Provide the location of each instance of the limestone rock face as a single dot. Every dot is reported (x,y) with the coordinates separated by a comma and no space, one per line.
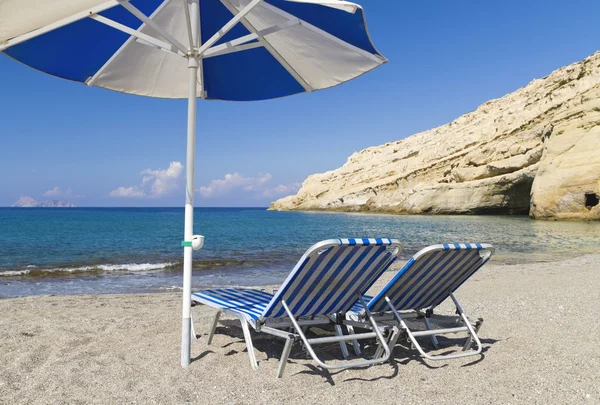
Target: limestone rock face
(534,151)
(567,184)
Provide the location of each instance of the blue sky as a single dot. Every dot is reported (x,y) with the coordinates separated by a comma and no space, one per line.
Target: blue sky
(63,140)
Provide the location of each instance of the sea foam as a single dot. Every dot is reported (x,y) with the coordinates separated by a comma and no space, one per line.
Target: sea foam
(127,267)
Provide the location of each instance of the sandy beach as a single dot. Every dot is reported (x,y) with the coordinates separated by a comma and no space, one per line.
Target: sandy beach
(541,345)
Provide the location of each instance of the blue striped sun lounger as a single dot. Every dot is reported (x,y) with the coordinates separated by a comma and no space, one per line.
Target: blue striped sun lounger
(425,281)
(322,287)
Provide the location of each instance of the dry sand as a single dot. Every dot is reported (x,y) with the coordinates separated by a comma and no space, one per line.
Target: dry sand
(541,345)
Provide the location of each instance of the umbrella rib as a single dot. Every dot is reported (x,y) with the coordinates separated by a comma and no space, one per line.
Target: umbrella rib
(188,22)
(338,4)
(57,24)
(169,48)
(238,16)
(233,49)
(233,45)
(144,18)
(307,87)
(200,73)
(136,33)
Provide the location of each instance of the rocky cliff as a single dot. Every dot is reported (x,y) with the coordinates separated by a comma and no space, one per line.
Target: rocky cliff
(534,151)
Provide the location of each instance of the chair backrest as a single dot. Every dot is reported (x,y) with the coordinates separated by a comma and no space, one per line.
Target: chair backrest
(431,275)
(328,277)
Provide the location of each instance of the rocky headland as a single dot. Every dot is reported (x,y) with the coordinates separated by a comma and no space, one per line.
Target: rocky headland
(535,151)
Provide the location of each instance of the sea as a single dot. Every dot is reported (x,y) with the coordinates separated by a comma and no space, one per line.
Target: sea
(138,250)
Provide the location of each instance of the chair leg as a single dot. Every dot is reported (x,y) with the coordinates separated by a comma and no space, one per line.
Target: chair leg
(394,336)
(433,337)
(213,327)
(340,332)
(355,343)
(249,344)
(469,341)
(361,363)
(192,329)
(284,356)
(472,331)
(416,344)
(378,351)
(468,344)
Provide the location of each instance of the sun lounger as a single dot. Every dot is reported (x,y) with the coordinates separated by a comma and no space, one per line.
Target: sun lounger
(425,281)
(325,283)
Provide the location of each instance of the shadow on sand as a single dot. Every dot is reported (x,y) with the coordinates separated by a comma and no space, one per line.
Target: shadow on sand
(402,353)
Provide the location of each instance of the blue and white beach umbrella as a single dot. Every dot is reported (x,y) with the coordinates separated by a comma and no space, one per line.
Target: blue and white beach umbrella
(238,50)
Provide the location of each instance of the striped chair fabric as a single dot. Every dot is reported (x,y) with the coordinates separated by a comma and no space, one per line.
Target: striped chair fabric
(430,276)
(325,281)
(251,303)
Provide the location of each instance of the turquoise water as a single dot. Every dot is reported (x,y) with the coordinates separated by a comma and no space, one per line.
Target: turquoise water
(124,250)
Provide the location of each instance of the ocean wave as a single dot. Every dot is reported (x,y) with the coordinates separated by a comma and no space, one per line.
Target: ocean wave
(34,271)
(71,269)
(13,273)
(134,266)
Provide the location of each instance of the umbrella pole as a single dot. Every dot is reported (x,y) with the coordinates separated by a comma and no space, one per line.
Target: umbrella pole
(189,215)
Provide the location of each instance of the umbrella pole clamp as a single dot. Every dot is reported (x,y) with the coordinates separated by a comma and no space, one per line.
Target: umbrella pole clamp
(196,243)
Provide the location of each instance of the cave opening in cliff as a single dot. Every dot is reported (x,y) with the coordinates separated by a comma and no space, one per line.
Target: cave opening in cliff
(591,200)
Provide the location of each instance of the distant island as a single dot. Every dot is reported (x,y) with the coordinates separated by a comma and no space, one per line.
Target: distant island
(29,202)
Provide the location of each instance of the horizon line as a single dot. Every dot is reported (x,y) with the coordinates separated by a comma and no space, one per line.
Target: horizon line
(112,206)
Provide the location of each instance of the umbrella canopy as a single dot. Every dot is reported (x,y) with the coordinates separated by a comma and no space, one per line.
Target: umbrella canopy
(278,48)
(238,50)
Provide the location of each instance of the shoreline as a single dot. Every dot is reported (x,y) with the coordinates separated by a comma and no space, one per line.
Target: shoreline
(106,261)
(57,274)
(538,348)
(384,212)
